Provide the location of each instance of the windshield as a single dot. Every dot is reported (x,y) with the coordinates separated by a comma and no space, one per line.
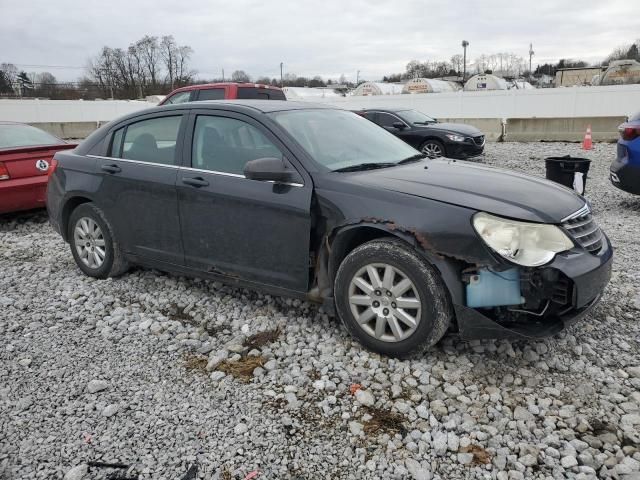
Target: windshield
(415,117)
(12,136)
(337,139)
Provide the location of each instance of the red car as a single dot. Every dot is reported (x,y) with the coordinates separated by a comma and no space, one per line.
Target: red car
(26,161)
(224,91)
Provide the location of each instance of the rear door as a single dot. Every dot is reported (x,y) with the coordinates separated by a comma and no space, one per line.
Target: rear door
(233,226)
(138,186)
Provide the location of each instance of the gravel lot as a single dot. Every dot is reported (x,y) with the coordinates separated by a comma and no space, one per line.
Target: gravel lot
(155,372)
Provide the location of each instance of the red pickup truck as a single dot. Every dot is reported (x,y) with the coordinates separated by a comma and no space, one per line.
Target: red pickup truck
(224,91)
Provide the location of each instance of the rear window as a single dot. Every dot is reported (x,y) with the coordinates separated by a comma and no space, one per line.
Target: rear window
(252,93)
(12,136)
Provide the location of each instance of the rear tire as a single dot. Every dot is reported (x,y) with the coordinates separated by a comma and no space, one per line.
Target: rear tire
(93,245)
(390,299)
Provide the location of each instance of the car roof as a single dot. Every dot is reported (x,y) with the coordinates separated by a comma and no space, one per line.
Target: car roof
(264,106)
(241,106)
(386,109)
(202,86)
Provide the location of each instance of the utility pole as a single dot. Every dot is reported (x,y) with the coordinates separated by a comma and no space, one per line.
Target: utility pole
(465,44)
(531,53)
(281,76)
(357,77)
(223,74)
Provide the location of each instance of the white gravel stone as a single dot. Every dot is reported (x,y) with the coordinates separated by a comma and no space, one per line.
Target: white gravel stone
(95,386)
(240,428)
(77,473)
(110,410)
(365,397)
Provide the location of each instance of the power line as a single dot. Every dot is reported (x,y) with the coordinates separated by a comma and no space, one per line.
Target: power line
(47,66)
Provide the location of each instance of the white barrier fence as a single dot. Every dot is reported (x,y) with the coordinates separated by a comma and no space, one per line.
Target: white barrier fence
(623,100)
(49,111)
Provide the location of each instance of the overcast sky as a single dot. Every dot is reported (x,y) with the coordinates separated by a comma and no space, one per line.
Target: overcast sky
(327,38)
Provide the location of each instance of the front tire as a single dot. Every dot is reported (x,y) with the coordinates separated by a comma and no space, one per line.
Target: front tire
(433,149)
(390,299)
(93,246)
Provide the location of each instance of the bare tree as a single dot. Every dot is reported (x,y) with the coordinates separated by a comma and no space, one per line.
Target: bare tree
(168,51)
(150,55)
(240,76)
(456,62)
(184,74)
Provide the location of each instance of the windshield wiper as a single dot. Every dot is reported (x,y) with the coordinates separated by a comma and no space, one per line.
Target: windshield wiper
(365,166)
(423,123)
(412,158)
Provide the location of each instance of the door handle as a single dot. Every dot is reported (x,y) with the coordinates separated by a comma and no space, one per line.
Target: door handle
(111,168)
(195,182)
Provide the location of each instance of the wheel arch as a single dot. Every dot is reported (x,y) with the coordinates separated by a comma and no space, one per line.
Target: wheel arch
(348,238)
(69,206)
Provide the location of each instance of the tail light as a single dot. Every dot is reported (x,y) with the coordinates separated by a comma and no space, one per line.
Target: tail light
(4,173)
(629,133)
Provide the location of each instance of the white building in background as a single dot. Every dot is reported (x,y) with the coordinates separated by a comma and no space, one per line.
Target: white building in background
(621,72)
(429,85)
(377,88)
(521,84)
(306,93)
(485,81)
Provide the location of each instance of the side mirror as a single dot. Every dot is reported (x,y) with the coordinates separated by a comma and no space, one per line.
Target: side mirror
(399,125)
(268,170)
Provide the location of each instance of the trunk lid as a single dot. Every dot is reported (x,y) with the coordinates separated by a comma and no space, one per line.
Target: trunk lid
(23,162)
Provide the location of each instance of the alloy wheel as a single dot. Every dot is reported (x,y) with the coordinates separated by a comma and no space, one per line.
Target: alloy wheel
(432,149)
(384,302)
(89,242)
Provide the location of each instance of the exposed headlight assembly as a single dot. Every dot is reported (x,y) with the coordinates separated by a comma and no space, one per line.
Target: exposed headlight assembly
(455,138)
(527,244)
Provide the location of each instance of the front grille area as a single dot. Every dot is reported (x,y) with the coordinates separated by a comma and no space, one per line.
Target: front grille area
(586,232)
(479,140)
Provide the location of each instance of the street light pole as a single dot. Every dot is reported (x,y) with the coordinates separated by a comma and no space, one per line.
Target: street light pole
(465,44)
(357,77)
(281,77)
(531,53)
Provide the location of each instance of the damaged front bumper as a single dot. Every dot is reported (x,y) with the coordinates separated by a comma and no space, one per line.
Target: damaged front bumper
(582,275)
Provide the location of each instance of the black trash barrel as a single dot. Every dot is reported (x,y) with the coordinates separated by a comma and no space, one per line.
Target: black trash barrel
(568,171)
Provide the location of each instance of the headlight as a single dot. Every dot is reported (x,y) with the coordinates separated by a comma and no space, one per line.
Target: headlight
(455,138)
(527,244)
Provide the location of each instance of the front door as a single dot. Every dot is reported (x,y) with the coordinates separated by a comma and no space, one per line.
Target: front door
(257,231)
(138,187)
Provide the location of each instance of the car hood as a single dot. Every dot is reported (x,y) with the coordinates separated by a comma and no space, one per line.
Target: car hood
(493,190)
(461,128)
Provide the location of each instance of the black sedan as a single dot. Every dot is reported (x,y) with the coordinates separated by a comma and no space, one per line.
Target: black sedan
(435,139)
(320,204)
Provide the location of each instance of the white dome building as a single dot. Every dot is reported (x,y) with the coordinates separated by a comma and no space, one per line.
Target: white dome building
(428,85)
(377,88)
(485,81)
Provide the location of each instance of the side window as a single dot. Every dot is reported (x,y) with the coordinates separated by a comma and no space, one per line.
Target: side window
(211,94)
(386,120)
(224,144)
(181,97)
(116,143)
(152,140)
(252,93)
(370,116)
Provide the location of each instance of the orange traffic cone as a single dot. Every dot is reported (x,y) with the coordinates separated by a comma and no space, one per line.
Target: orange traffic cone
(587,143)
